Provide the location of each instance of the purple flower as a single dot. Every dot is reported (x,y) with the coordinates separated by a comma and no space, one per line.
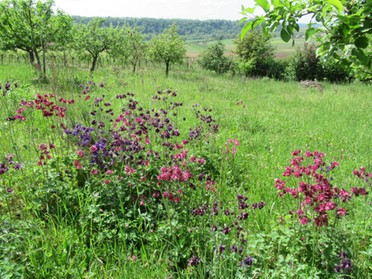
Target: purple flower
(248,261)
(194,260)
(221,248)
(226,230)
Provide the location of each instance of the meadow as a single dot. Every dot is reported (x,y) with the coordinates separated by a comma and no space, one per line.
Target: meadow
(197,175)
(282,49)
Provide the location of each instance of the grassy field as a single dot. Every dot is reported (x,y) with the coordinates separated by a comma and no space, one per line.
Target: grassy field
(67,213)
(282,49)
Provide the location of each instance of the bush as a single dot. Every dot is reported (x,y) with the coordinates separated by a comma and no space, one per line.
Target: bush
(334,71)
(214,59)
(306,65)
(255,54)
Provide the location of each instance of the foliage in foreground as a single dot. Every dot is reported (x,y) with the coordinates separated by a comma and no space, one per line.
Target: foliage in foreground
(342,27)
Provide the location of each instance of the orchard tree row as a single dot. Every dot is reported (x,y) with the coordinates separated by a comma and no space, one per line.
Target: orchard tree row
(35,27)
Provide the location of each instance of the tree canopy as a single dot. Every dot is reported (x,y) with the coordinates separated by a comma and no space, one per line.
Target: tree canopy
(343,27)
(32,26)
(167,47)
(94,39)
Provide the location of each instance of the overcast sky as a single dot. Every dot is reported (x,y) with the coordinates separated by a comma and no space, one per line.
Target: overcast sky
(187,9)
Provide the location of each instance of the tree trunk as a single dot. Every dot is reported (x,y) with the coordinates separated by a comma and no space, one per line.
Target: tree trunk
(167,68)
(64,58)
(134,64)
(44,64)
(32,57)
(94,63)
(38,63)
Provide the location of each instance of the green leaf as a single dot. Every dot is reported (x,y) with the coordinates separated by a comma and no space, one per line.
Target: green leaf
(264,4)
(360,55)
(361,42)
(277,3)
(337,4)
(285,35)
(310,32)
(247,10)
(245,29)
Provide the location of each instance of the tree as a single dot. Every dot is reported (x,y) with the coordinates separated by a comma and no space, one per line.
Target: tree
(32,26)
(130,45)
(213,58)
(343,27)
(167,47)
(94,39)
(255,54)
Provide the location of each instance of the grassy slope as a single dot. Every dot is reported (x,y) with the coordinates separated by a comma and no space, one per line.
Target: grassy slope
(270,119)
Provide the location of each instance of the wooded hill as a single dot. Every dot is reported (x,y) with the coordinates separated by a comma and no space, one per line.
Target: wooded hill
(191,30)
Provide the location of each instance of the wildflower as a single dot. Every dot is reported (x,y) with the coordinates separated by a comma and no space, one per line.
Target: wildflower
(341,212)
(221,248)
(80,153)
(304,220)
(194,260)
(214,228)
(93,149)
(248,261)
(226,230)
(233,248)
(77,165)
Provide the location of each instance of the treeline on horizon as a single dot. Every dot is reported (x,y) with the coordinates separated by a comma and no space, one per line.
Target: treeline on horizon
(191,30)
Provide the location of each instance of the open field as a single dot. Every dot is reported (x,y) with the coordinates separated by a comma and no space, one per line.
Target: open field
(93,199)
(282,49)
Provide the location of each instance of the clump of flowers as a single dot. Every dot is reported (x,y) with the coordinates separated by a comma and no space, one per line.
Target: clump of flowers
(317,196)
(345,264)
(9,163)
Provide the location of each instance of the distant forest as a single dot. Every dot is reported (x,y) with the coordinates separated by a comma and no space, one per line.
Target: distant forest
(191,30)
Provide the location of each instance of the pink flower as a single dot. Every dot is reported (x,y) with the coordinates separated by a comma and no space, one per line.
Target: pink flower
(43,146)
(201,161)
(234,141)
(93,148)
(94,172)
(279,184)
(341,212)
(109,172)
(129,170)
(308,154)
(77,164)
(304,220)
(193,159)
(80,153)
(296,152)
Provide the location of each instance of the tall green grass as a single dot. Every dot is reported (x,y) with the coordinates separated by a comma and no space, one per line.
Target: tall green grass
(269,118)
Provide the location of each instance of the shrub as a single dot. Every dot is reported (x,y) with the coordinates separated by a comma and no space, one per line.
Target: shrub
(213,59)
(304,65)
(334,71)
(255,54)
